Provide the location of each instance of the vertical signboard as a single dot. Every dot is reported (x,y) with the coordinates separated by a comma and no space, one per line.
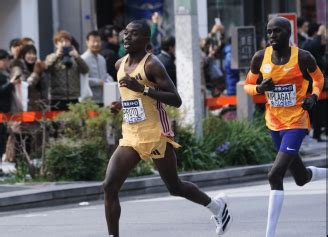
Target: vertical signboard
(293,23)
(243,42)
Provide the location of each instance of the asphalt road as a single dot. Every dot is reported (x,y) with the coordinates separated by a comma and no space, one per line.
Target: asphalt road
(159,215)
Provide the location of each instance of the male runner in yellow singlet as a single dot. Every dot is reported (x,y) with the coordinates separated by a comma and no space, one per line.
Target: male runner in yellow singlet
(285,73)
(144,87)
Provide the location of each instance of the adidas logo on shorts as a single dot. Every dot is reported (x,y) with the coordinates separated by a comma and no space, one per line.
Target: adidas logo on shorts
(155,152)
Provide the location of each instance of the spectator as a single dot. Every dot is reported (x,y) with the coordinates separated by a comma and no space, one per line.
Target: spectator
(316,45)
(167,57)
(97,67)
(26,41)
(217,33)
(212,72)
(16,44)
(204,89)
(155,33)
(302,31)
(29,134)
(75,44)
(33,71)
(14,47)
(6,90)
(64,67)
(6,85)
(110,49)
(231,75)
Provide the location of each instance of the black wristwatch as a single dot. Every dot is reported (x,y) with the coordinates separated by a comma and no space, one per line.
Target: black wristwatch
(146,90)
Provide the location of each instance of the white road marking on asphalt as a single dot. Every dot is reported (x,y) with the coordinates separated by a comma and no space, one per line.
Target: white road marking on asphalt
(32,215)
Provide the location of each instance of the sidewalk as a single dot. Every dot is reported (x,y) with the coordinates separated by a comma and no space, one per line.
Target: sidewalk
(19,196)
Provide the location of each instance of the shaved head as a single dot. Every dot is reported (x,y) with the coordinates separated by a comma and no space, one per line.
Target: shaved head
(281,22)
(279,32)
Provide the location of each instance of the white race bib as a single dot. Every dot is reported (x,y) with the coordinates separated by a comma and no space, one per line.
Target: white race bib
(282,95)
(133,111)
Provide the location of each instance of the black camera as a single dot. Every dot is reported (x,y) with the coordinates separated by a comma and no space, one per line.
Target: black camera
(66,58)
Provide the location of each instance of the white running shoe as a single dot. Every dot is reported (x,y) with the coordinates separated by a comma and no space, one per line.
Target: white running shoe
(224,219)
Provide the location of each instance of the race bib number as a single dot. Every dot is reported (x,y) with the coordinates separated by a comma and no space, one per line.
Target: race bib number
(282,95)
(133,111)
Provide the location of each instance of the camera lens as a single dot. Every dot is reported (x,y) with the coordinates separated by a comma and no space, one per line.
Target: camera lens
(66,59)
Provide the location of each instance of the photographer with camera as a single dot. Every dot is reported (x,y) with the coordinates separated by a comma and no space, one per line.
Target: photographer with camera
(64,67)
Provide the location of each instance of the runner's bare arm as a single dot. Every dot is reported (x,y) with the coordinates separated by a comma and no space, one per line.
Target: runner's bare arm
(254,73)
(257,61)
(308,64)
(157,74)
(116,106)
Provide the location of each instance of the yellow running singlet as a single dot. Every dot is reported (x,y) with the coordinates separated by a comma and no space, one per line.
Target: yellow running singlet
(146,127)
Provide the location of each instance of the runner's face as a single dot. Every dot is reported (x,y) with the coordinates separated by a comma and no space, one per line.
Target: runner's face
(278,36)
(133,38)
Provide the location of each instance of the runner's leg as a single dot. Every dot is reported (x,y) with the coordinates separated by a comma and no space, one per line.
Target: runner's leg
(300,174)
(276,176)
(167,168)
(288,142)
(121,163)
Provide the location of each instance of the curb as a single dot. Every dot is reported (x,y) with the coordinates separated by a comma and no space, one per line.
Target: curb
(51,195)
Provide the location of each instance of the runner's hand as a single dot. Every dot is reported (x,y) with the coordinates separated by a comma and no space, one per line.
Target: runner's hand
(309,102)
(131,83)
(115,107)
(266,85)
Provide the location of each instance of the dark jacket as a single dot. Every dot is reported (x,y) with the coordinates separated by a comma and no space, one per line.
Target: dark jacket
(6,89)
(168,62)
(213,73)
(301,39)
(110,53)
(65,81)
(315,47)
(37,89)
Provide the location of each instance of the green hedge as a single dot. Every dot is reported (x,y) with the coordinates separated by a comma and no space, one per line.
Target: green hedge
(238,142)
(68,159)
(224,143)
(194,154)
